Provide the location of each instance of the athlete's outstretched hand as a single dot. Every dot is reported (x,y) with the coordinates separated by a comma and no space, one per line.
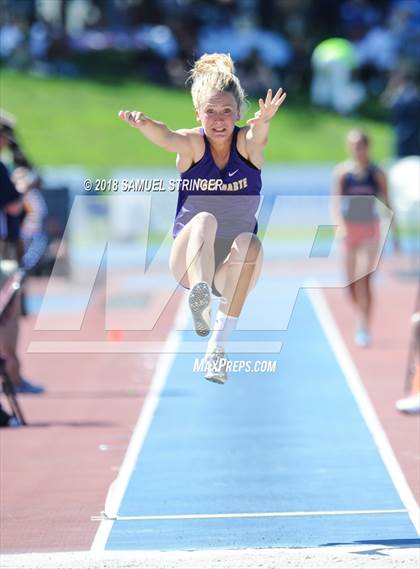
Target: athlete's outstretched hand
(133,118)
(268,108)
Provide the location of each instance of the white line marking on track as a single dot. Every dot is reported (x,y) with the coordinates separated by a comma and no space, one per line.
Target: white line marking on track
(253,515)
(53,347)
(118,487)
(362,399)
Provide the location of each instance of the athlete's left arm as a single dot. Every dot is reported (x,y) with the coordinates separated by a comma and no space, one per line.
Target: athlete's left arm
(257,134)
(382,182)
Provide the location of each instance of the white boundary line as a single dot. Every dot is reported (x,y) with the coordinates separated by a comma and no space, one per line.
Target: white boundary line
(256,515)
(126,347)
(362,399)
(118,487)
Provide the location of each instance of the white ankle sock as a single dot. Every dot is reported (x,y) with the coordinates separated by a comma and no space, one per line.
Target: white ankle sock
(223,328)
(362,324)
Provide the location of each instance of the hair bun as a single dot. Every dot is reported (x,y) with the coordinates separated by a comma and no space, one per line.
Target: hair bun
(213,63)
(215,72)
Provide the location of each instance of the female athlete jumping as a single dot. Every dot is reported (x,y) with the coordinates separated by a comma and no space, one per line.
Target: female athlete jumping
(215,246)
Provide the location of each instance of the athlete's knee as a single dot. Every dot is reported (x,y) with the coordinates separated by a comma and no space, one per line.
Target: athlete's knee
(205,222)
(351,288)
(247,248)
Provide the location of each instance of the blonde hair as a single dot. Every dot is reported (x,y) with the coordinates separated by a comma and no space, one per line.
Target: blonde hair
(216,71)
(358,133)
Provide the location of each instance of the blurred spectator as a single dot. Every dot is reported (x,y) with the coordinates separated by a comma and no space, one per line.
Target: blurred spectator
(377,48)
(377,56)
(27,181)
(14,44)
(40,40)
(9,204)
(405,26)
(357,17)
(411,403)
(287,17)
(255,75)
(272,48)
(12,250)
(160,37)
(11,37)
(402,96)
(10,151)
(324,20)
(32,226)
(333,62)
(186,32)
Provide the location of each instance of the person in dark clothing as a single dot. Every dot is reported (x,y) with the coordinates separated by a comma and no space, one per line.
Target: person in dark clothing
(403,99)
(12,248)
(11,258)
(10,203)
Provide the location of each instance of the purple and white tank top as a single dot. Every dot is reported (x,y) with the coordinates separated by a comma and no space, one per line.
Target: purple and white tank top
(232,194)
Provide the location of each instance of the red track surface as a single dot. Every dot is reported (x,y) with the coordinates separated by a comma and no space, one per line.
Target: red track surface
(382,367)
(54,475)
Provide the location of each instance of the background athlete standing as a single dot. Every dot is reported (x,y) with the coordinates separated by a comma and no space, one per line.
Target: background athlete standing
(358,181)
(215,245)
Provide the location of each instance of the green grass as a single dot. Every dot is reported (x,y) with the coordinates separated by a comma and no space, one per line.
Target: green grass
(74,121)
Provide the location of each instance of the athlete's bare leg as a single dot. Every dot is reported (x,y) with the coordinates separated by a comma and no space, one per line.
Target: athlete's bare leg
(366,265)
(192,254)
(360,263)
(239,272)
(350,260)
(364,299)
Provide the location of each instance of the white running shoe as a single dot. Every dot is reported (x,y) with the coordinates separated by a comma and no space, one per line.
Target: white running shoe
(362,338)
(215,365)
(409,404)
(199,301)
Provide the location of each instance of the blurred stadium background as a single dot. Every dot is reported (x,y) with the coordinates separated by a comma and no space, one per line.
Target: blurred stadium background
(68,66)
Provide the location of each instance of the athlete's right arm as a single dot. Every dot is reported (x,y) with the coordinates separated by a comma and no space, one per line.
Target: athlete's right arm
(158,133)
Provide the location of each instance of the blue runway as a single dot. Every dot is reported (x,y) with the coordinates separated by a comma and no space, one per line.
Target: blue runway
(290,447)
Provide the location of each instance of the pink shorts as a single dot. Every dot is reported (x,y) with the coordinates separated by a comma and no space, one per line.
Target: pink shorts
(359,234)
